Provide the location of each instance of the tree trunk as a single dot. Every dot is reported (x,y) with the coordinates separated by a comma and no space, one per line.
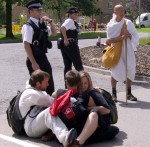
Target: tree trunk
(9,19)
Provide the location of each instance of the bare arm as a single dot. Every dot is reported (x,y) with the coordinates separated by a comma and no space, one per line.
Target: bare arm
(54,94)
(28,50)
(119,38)
(51,23)
(102,109)
(53,28)
(63,31)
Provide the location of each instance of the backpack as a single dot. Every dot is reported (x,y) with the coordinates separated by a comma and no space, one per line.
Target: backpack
(112,104)
(14,118)
(103,97)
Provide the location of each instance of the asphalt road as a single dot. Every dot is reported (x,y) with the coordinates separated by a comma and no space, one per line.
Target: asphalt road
(133,119)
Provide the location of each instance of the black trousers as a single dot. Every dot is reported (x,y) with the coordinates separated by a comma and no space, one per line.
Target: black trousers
(103,134)
(45,65)
(71,55)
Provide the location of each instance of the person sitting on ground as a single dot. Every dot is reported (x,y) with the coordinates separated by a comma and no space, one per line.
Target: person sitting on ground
(39,120)
(94,99)
(88,120)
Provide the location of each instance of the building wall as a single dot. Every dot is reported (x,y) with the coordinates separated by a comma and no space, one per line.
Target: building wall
(107,12)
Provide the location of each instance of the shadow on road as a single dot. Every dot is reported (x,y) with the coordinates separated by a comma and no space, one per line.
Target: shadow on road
(139,104)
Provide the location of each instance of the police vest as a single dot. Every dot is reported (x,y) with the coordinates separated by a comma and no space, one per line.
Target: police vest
(40,42)
(73,33)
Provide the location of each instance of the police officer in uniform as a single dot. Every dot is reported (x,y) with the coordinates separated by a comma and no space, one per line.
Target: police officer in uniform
(70,50)
(35,39)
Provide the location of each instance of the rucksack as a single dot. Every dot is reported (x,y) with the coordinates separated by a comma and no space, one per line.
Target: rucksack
(112,104)
(14,118)
(103,97)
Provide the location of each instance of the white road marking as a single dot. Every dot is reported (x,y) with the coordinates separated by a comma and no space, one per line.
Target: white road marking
(17,141)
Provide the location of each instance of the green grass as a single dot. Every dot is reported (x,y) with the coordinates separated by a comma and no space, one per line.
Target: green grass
(18,37)
(86,35)
(145,41)
(143,30)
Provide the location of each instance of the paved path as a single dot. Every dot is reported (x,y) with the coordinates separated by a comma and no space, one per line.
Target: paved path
(134,118)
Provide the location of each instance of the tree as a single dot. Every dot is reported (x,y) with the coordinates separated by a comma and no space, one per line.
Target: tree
(9,19)
(134,7)
(3,13)
(60,6)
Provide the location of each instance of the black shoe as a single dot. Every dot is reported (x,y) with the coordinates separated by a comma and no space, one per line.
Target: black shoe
(70,137)
(131,97)
(114,97)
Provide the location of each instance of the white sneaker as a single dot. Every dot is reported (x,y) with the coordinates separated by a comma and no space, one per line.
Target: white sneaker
(70,137)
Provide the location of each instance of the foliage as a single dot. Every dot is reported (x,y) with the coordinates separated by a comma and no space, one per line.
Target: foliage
(60,7)
(2,12)
(87,7)
(134,7)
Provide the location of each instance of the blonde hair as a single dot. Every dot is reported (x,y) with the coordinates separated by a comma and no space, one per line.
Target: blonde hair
(87,75)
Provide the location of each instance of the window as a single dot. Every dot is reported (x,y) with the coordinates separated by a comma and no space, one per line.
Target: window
(110,5)
(145,18)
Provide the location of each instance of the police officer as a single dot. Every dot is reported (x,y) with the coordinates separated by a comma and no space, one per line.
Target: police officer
(70,50)
(35,39)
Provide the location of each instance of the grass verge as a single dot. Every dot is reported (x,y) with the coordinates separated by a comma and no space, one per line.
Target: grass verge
(145,41)
(146,30)
(18,37)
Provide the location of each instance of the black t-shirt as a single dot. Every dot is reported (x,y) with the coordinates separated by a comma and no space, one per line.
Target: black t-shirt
(97,97)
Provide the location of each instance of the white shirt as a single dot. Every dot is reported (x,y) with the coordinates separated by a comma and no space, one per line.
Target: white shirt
(27,31)
(69,24)
(31,97)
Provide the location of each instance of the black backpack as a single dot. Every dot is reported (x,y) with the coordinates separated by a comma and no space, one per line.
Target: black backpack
(106,99)
(112,104)
(14,118)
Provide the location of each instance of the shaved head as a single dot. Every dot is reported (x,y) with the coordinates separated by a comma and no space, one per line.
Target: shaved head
(118,7)
(119,11)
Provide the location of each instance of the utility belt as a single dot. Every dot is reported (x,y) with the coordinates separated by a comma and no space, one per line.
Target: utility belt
(72,40)
(60,42)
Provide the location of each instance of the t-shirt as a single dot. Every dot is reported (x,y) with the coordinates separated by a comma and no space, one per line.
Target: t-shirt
(69,24)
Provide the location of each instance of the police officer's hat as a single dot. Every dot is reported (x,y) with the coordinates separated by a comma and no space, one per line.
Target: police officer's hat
(72,10)
(34,4)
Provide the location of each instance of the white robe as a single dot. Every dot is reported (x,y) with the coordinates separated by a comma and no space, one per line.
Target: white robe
(119,71)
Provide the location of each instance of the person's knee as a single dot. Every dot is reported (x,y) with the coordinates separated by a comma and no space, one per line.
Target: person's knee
(94,114)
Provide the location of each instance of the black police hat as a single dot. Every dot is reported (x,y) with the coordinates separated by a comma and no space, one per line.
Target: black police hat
(72,10)
(34,4)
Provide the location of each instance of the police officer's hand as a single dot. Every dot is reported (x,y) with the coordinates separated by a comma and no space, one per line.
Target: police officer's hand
(46,19)
(35,66)
(66,42)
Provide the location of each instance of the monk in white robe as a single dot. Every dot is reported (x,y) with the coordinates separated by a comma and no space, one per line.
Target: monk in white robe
(118,73)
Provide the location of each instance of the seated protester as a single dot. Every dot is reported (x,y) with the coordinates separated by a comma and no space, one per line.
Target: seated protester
(86,88)
(87,120)
(39,120)
(95,100)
